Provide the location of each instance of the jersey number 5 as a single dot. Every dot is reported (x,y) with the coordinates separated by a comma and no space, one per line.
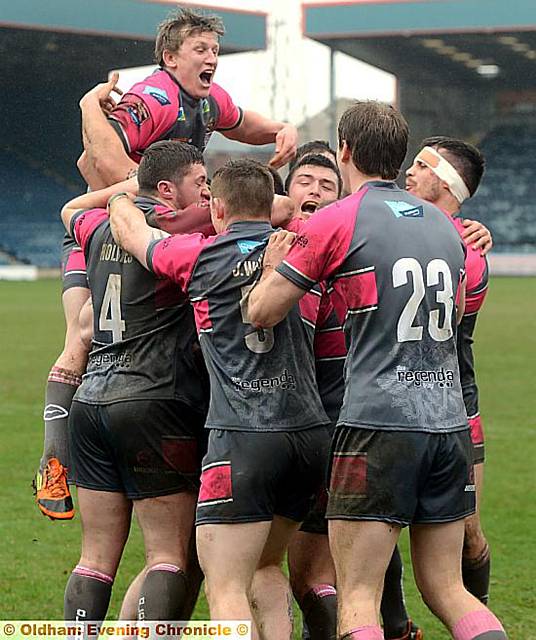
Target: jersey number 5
(259,340)
(110,314)
(445,296)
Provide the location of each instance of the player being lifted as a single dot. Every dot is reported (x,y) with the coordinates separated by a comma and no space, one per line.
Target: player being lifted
(180,101)
(446,172)
(401,454)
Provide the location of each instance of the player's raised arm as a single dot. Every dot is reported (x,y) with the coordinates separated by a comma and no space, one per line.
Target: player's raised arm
(129,227)
(104,158)
(96,199)
(257,129)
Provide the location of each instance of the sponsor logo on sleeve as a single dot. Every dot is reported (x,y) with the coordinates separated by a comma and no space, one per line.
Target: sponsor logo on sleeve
(405,209)
(158,94)
(138,113)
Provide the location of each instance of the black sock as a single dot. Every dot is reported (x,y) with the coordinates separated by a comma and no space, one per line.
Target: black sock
(319,608)
(475,573)
(87,595)
(492,635)
(61,387)
(163,593)
(393,607)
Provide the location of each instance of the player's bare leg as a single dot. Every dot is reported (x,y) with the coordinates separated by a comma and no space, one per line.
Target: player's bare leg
(129,606)
(52,494)
(271,597)
(476,553)
(436,551)
(229,555)
(361,552)
(166,523)
(105,519)
(312,577)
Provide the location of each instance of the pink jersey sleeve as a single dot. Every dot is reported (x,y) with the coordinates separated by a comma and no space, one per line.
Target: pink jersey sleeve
(147,111)
(322,243)
(84,223)
(477,275)
(175,257)
(230,116)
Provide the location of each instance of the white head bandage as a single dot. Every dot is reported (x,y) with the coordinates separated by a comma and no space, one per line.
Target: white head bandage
(444,171)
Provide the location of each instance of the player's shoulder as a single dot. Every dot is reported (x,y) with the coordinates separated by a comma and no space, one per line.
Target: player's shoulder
(157,88)
(219,93)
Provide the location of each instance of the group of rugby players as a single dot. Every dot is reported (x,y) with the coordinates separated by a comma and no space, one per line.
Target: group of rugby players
(190,318)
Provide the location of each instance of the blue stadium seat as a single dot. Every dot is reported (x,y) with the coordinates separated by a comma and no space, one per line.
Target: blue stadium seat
(30,227)
(504,202)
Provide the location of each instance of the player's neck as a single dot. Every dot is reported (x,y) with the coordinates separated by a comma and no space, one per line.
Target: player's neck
(449,205)
(358,179)
(245,218)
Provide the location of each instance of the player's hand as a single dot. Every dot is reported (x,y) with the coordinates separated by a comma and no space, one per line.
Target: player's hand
(477,236)
(282,211)
(102,92)
(278,246)
(286,143)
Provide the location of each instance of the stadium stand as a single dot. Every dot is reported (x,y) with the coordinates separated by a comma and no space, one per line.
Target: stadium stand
(30,228)
(504,201)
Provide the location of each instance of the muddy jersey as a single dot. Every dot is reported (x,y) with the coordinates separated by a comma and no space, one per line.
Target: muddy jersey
(144,333)
(477,271)
(397,262)
(260,380)
(158,108)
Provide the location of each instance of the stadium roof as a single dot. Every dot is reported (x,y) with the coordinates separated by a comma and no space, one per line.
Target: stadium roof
(102,34)
(466,40)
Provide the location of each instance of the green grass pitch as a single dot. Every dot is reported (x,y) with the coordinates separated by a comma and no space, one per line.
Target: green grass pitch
(36,555)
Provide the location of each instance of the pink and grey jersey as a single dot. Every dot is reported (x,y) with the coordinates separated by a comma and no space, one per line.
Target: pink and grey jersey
(477,271)
(397,263)
(144,343)
(259,380)
(330,355)
(158,108)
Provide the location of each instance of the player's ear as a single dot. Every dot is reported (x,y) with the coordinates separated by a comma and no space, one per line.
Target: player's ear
(169,58)
(166,189)
(345,154)
(217,207)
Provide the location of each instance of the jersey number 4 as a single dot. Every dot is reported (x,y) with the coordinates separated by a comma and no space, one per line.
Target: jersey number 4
(110,314)
(445,296)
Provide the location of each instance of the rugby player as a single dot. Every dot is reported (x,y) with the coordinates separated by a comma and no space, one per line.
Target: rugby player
(137,418)
(401,454)
(446,172)
(114,137)
(268,438)
(314,182)
(179,101)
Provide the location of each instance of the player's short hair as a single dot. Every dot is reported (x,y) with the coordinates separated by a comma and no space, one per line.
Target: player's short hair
(313,147)
(279,187)
(377,137)
(468,161)
(182,24)
(166,160)
(315,160)
(246,186)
